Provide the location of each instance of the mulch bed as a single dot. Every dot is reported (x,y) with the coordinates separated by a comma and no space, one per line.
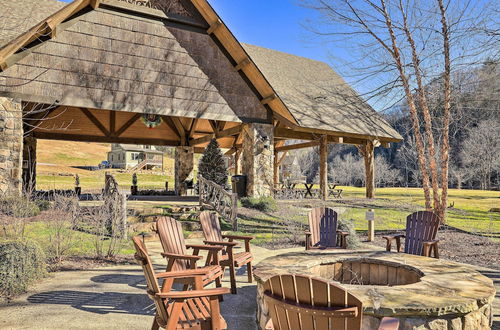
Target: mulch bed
(461,247)
(85,263)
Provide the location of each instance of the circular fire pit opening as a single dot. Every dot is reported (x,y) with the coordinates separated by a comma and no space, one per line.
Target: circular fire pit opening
(367,271)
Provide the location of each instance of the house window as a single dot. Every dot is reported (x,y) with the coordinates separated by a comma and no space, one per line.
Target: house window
(135,156)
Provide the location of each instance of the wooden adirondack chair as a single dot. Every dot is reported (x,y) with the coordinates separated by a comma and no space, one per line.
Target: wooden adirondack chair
(301,302)
(323,233)
(175,250)
(420,235)
(196,309)
(213,235)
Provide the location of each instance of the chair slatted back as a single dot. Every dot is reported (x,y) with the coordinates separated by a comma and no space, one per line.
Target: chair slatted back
(323,227)
(420,227)
(172,240)
(143,259)
(211,226)
(301,302)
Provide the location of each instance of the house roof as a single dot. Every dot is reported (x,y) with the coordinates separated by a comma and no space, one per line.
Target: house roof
(305,94)
(132,147)
(317,96)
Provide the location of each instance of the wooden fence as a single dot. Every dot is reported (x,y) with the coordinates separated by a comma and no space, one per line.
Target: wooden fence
(224,202)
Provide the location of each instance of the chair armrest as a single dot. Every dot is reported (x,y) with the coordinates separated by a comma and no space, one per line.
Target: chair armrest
(344,233)
(183,273)
(221,243)
(433,242)
(193,294)
(181,256)
(389,323)
(205,247)
(307,233)
(246,238)
(430,246)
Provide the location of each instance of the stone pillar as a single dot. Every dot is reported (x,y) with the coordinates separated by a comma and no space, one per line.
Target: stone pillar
(323,167)
(369,155)
(29,164)
(184,158)
(257,158)
(11,146)
(276,169)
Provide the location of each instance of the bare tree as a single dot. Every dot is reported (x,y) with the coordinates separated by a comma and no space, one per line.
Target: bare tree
(481,152)
(401,46)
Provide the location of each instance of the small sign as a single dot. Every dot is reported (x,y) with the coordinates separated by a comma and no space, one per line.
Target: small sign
(370,216)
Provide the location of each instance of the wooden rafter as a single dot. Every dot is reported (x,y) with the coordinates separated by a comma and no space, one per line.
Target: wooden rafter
(192,130)
(102,139)
(221,134)
(180,129)
(129,123)
(214,27)
(46,28)
(95,121)
(214,126)
(242,64)
(298,146)
(112,122)
(268,99)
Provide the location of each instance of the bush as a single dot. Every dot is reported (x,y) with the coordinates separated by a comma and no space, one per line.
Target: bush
(264,204)
(353,241)
(21,264)
(18,207)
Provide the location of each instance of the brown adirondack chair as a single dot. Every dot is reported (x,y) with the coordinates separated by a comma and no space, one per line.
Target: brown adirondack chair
(195,309)
(323,233)
(175,250)
(213,235)
(420,235)
(301,302)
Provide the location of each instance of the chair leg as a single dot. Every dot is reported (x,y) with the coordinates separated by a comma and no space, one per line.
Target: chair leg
(249,272)
(218,284)
(232,276)
(155,325)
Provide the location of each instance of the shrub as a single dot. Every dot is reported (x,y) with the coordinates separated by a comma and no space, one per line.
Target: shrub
(18,207)
(21,264)
(264,204)
(353,241)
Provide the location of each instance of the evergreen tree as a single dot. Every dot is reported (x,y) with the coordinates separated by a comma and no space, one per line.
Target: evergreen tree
(212,165)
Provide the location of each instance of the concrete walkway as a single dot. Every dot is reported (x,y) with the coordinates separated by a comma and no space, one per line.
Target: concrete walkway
(114,298)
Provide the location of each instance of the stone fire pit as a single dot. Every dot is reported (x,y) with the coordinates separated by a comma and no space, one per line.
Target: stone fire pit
(422,292)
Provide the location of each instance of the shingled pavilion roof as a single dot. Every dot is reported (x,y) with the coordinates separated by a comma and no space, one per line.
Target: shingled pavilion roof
(303,94)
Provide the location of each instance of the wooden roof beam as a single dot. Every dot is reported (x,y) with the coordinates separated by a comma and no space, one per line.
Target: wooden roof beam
(180,130)
(241,65)
(225,133)
(102,139)
(298,146)
(95,121)
(192,130)
(214,27)
(129,123)
(268,99)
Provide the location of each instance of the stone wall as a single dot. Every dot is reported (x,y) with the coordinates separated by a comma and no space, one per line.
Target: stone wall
(11,144)
(184,164)
(257,159)
(479,319)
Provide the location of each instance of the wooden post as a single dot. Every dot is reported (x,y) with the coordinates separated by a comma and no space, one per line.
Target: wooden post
(237,162)
(276,163)
(323,167)
(369,156)
(370,218)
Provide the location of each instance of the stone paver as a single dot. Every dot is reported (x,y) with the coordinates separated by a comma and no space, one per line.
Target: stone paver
(114,298)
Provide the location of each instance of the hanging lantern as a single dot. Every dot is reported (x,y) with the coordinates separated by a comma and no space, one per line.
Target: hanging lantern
(151,121)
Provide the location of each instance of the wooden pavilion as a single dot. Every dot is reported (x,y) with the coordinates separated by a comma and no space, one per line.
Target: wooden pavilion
(98,70)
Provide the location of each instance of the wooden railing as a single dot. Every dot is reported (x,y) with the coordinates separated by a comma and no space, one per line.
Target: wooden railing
(224,202)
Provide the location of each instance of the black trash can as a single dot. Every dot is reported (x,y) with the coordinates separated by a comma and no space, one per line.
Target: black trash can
(239,185)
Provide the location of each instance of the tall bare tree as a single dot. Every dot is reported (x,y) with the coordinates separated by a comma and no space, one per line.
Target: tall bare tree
(400,47)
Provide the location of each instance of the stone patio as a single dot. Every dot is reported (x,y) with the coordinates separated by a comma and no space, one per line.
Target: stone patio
(114,298)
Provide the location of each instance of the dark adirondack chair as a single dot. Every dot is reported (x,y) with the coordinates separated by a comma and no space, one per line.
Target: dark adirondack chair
(420,235)
(195,309)
(301,302)
(323,233)
(175,250)
(213,235)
